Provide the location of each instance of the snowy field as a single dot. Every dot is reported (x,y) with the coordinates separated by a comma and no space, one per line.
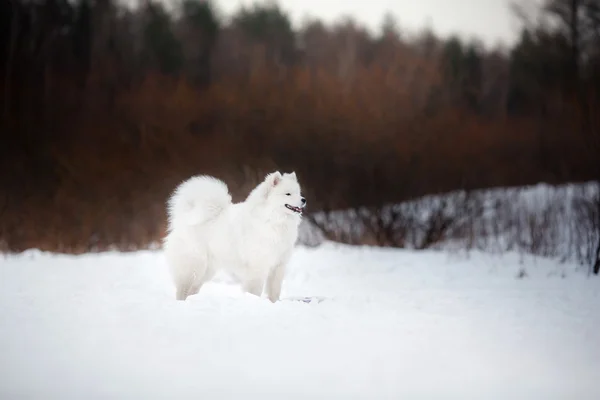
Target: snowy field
(396,324)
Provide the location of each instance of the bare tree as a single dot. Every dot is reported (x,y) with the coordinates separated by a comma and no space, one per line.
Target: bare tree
(14,30)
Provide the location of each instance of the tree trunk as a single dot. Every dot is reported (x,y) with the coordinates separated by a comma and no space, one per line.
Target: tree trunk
(596,267)
(597,263)
(14,20)
(575,51)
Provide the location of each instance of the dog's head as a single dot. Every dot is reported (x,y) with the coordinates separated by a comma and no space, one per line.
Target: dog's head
(284,194)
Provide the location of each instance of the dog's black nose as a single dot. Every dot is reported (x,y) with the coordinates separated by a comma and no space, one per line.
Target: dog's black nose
(303,200)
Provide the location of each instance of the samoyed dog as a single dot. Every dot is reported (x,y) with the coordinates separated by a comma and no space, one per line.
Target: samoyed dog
(251,241)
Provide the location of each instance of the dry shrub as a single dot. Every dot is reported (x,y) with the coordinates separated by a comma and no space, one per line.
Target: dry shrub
(560,222)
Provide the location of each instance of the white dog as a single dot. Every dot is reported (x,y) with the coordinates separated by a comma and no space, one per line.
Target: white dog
(252,240)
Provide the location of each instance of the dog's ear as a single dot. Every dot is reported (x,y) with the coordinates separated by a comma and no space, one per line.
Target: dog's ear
(290,175)
(273,179)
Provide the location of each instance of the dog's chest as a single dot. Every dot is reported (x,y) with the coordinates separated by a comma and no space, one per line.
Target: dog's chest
(269,246)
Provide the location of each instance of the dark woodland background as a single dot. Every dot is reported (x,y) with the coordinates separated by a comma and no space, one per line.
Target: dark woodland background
(104,109)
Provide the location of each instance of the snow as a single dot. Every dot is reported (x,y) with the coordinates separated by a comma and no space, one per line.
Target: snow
(395,324)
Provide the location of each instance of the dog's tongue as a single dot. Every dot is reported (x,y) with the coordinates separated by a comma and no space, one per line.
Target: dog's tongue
(293,208)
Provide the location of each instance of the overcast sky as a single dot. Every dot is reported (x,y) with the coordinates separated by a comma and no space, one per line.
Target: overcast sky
(491,20)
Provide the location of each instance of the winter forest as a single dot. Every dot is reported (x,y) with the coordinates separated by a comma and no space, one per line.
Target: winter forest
(105,107)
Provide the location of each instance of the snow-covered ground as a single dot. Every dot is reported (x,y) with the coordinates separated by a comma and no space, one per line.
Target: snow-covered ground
(396,324)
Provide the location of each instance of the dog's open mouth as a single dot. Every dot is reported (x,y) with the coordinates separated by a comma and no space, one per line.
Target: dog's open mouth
(294,209)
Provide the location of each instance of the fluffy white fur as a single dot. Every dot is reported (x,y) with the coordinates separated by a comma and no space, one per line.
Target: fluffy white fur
(252,240)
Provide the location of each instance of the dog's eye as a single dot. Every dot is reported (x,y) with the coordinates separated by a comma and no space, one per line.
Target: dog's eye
(288,194)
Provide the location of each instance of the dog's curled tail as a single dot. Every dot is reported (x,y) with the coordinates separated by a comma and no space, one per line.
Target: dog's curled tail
(196,201)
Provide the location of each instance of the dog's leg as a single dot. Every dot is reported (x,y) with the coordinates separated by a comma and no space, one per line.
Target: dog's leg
(183,284)
(184,291)
(254,286)
(189,277)
(195,288)
(181,293)
(199,281)
(275,281)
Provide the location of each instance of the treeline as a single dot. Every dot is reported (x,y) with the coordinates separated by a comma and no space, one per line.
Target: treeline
(105,108)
